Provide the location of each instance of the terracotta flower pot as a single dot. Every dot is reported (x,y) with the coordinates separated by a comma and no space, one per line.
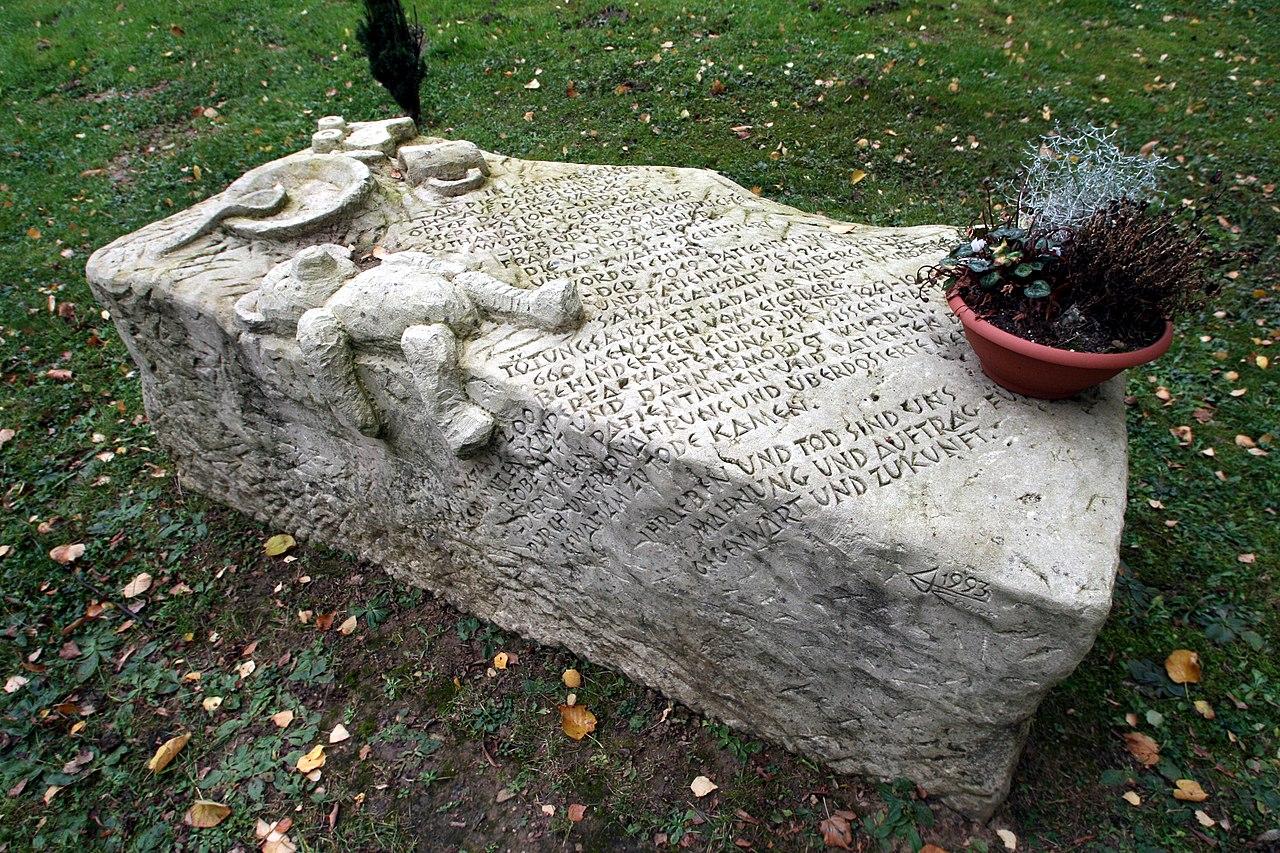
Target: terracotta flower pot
(1046,373)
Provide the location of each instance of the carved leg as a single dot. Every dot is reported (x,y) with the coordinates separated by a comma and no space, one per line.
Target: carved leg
(327,348)
(555,305)
(432,353)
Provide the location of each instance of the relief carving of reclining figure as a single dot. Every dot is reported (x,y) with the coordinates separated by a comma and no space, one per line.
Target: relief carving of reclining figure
(413,302)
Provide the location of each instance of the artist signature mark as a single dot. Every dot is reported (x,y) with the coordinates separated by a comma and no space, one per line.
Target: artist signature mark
(955,583)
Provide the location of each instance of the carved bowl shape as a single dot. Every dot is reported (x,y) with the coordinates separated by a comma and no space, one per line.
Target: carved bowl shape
(1046,373)
(318,189)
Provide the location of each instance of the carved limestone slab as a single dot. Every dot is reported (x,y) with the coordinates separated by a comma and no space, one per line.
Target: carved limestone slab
(720,444)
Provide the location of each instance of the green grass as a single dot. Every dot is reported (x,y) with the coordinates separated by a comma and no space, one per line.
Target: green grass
(116,115)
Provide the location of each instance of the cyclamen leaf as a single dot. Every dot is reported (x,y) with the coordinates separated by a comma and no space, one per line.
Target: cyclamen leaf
(1037,289)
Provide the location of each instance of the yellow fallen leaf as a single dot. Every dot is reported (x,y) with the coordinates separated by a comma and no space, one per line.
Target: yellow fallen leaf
(1183,666)
(856,176)
(1132,798)
(282,719)
(1262,361)
(167,752)
(701,786)
(278,544)
(205,814)
(1204,709)
(313,760)
(500,660)
(577,721)
(1189,790)
(1143,748)
(138,585)
(571,678)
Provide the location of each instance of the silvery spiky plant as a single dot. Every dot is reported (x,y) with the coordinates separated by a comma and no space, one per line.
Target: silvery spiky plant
(1074,173)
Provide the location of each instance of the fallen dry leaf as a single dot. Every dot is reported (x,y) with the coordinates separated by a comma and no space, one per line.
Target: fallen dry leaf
(313,760)
(1183,666)
(577,721)
(571,678)
(836,832)
(1009,840)
(278,544)
(1204,709)
(324,621)
(701,786)
(205,814)
(1189,791)
(348,626)
(1132,798)
(1143,748)
(65,554)
(282,719)
(137,586)
(15,683)
(500,660)
(167,752)
(211,703)
(577,811)
(1202,817)
(533,84)
(857,176)
(339,734)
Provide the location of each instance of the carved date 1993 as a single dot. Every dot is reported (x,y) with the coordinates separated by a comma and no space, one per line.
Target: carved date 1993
(954,583)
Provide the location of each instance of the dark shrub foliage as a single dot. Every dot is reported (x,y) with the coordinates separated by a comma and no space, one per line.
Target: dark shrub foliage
(395,49)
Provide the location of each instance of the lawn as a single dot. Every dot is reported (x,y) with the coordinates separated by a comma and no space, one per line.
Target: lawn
(117,114)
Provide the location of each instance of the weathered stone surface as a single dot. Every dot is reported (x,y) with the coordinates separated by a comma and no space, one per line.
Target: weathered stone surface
(750,466)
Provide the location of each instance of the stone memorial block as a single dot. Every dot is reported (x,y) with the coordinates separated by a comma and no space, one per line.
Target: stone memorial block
(723,445)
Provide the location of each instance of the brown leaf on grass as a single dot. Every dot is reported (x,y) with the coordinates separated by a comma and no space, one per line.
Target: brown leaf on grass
(66,554)
(718,87)
(205,814)
(1143,748)
(576,721)
(324,621)
(137,586)
(836,832)
(701,786)
(932,848)
(313,760)
(577,811)
(6,436)
(1183,666)
(58,374)
(167,752)
(571,91)
(1189,791)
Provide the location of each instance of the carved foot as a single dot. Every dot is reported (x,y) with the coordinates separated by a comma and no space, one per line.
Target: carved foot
(469,431)
(558,305)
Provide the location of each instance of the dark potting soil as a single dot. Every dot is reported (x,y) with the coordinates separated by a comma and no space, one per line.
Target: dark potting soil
(1072,330)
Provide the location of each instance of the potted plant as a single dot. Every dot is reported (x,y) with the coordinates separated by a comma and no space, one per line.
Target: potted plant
(1080,275)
